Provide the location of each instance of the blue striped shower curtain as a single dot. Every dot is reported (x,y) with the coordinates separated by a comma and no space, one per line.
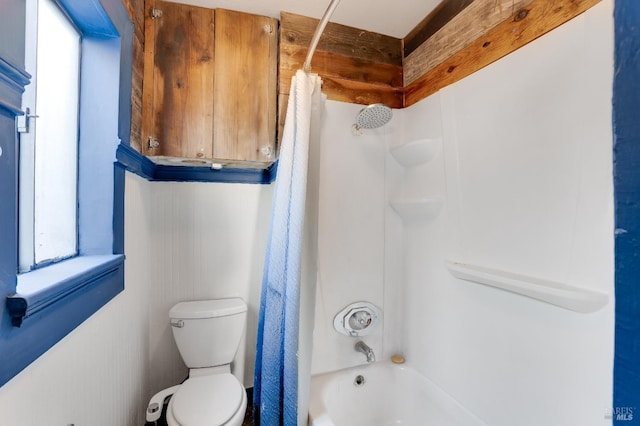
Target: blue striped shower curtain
(275,396)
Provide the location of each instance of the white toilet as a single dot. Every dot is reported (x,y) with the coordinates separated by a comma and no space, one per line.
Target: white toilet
(207,333)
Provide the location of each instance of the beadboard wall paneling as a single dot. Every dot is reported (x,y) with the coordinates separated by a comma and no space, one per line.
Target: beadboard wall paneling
(207,240)
(184,241)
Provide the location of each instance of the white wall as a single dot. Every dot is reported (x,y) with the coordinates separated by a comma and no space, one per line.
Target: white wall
(538,119)
(99,373)
(351,233)
(206,241)
(183,241)
(526,177)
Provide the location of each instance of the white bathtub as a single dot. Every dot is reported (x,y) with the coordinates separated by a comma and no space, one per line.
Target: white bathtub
(390,395)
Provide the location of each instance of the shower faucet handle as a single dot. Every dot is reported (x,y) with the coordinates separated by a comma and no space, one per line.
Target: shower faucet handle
(357,319)
(360,320)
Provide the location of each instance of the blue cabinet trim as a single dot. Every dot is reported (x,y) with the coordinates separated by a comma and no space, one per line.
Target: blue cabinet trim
(133,161)
(137,163)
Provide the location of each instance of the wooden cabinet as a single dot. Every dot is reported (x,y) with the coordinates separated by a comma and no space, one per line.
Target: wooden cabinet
(209,88)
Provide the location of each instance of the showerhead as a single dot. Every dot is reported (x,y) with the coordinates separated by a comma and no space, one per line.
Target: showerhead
(373,116)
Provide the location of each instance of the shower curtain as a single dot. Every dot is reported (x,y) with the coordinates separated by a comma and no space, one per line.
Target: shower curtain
(280,359)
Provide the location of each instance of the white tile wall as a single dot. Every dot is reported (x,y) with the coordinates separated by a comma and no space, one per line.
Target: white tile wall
(527,176)
(351,233)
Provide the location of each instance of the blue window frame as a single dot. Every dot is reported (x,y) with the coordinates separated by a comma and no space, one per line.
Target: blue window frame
(43,306)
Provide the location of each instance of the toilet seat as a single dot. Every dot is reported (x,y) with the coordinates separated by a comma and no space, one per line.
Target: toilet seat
(211,400)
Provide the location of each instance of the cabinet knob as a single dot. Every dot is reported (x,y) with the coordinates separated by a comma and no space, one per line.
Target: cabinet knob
(268,28)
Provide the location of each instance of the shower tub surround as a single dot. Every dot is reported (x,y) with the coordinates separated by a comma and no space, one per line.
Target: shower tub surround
(508,170)
(383,394)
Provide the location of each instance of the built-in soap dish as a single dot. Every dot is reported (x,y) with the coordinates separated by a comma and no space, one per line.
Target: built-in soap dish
(419,151)
(417,209)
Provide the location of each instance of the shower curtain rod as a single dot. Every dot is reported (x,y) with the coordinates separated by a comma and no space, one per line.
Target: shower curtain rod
(318,33)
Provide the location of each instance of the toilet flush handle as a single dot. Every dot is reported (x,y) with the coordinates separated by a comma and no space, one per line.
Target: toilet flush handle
(177,323)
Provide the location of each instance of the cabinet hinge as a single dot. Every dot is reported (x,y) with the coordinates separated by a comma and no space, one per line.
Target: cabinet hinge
(153,143)
(267,151)
(156,13)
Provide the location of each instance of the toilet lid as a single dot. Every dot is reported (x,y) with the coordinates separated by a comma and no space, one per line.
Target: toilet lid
(207,400)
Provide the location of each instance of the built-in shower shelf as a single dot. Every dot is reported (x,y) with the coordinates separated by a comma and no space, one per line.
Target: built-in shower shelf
(564,295)
(417,209)
(419,151)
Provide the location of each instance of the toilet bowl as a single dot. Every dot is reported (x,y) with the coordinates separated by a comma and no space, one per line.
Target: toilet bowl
(216,400)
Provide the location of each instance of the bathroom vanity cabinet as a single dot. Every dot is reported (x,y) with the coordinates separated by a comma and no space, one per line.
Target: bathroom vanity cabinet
(210,86)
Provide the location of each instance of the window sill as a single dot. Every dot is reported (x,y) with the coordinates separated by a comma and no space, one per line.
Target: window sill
(41,289)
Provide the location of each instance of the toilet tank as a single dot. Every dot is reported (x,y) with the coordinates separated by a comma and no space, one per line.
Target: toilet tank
(208,332)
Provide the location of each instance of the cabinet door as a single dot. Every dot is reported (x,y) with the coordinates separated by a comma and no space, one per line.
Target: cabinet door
(178,80)
(245,87)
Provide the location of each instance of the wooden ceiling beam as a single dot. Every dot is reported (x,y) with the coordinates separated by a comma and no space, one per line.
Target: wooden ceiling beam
(356,66)
(485,31)
(462,30)
(435,20)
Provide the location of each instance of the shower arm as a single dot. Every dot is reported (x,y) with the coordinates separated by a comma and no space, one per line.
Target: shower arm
(319,29)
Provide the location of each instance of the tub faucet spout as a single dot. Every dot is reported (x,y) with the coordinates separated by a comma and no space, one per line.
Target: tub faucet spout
(365,349)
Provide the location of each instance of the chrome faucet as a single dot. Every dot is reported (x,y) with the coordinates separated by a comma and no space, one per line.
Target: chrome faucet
(365,349)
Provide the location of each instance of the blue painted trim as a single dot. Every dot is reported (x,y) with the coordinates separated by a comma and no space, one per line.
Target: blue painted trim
(133,161)
(273,172)
(98,141)
(51,314)
(204,174)
(13,79)
(90,17)
(14,75)
(8,208)
(118,209)
(21,346)
(120,18)
(10,107)
(40,293)
(626,151)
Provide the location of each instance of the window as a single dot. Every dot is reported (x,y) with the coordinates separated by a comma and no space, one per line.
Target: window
(64,260)
(49,143)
